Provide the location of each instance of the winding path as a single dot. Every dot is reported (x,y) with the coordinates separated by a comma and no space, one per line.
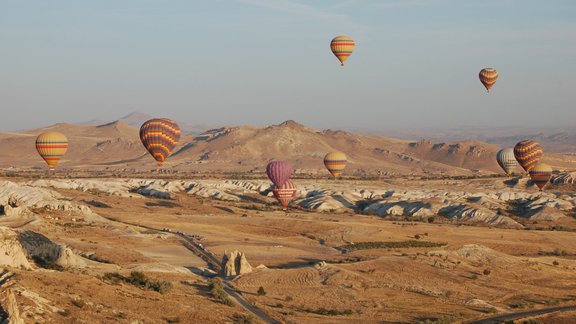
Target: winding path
(213,263)
(523,314)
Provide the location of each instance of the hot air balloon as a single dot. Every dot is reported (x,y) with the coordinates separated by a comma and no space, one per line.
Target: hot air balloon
(342,47)
(160,136)
(335,162)
(527,153)
(279,172)
(541,174)
(488,77)
(506,160)
(51,146)
(285,193)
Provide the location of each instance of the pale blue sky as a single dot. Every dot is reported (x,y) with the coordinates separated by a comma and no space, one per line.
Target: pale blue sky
(230,62)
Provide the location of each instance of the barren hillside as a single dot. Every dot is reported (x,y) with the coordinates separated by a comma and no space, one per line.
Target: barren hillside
(116,145)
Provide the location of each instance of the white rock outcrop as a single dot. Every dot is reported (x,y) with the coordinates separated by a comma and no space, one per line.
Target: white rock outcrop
(235,263)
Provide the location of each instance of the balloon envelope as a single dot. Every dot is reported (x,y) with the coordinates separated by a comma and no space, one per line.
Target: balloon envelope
(160,136)
(507,160)
(528,153)
(51,146)
(488,77)
(335,162)
(342,47)
(541,174)
(285,193)
(279,172)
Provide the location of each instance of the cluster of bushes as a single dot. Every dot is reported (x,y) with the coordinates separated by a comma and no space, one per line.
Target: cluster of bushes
(446,319)
(388,245)
(139,279)
(217,292)
(96,258)
(556,252)
(560,228)
(329,312)
(242,319)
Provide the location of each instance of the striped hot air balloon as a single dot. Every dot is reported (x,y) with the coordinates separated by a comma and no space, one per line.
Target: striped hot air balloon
(541,174)
(51,146)
(507,160)
(335,162)
(285,193)
(488,77)
(279,172)
(160,136)
(528,153)
(342,47)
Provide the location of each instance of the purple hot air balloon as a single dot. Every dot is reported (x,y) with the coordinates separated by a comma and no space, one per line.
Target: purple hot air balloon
(279,172)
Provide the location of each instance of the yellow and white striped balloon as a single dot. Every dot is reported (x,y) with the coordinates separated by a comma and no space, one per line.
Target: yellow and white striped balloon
(342,47)
(51,146)
(335,162)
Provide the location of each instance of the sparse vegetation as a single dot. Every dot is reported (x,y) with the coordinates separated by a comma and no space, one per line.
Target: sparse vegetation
(217,292)
(556,263)
(328,312)
(556,252)
(446,319)
(243,319)
(560,228)
(139,279)
(78,303)
(388,245)
(487,272)
(64,312)
(96,258)
(46,264)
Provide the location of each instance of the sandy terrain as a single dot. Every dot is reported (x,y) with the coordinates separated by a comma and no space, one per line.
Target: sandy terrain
(480,267)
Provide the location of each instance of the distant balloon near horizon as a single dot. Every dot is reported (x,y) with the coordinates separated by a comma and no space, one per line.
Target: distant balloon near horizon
(342,47)
(541,174)
(160,136)
(285,193)
(335,162)
(279,172)
(528,153)
(52,146)
(488,77)
(506,159)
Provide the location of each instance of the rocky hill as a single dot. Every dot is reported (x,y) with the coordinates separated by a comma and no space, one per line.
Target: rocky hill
(116,145)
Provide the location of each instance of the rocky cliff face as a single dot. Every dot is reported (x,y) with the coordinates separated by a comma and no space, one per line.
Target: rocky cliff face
(11,251)
(235,263)
(11,307)
(42,249)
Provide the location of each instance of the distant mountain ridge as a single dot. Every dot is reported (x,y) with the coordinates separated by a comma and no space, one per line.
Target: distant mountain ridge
(137,118)
(560,139)
(117,145)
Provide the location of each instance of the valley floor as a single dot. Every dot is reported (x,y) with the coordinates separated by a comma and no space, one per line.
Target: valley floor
(347,251)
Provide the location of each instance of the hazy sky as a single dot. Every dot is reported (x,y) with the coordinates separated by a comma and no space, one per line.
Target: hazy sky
(230,62)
